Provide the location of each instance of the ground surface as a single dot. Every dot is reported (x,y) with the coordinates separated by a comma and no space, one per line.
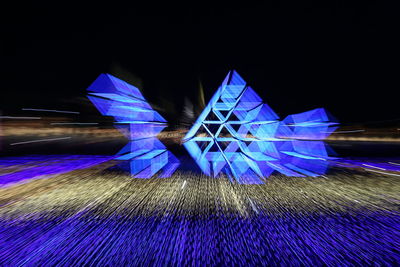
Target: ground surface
(100,216)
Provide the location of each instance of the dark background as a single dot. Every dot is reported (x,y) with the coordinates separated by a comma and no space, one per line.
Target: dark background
(298,56)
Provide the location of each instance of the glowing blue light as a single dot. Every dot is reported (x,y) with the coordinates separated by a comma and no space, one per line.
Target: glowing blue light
(45,166)
(241,136)
(135,118)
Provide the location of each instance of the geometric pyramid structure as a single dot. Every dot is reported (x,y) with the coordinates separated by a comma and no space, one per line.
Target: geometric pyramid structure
(145,155)
(239,135)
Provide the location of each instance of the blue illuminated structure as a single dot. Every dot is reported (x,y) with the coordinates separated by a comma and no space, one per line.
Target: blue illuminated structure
(135,118)
(239,135)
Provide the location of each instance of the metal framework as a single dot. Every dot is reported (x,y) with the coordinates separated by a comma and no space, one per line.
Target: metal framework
(239,135)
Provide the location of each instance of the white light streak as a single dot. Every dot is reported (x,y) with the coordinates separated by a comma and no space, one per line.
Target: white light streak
(394,163)
(183,185)
(382,172)
(252,205)
(375,167)
(352,131)
(51,110)
(74,123)
(20,118)
(41,140)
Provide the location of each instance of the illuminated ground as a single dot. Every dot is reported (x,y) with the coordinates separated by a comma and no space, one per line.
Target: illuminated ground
(103,217)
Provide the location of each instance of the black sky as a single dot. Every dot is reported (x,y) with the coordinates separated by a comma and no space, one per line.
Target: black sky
(297,56)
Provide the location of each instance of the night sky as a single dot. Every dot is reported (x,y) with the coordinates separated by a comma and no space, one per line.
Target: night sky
(297,56)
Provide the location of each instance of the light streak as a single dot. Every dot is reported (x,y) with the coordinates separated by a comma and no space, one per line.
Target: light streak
(41,140)
(51,110)
(74,123)
(253,206)
(381,172)
(183,185)
(374,167)
(20,118)
(352,131)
